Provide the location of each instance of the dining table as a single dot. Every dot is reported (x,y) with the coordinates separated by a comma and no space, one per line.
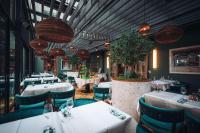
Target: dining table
(172,100)
(105,85)
(42,75)
(162,84)
(98,117)
(42,79)
(32,90)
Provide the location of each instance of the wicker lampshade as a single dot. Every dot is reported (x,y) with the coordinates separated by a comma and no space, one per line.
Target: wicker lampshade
(144,29)
(168,35)
(83,54)
(41,53)
(57,52)
(38,44)
(65,58)
(54,30)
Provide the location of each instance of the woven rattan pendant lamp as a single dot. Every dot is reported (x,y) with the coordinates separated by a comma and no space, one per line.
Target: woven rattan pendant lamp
(54,30)
(144,28)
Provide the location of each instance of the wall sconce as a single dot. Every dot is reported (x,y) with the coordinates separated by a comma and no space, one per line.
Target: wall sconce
(108,62)
(155,59)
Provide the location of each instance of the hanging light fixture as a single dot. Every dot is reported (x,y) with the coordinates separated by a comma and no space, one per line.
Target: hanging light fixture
(83,54)
(54,30)
(65,58)
(107,44)
(57,52)
(169,34)
(41,53)
(38,44)
(144,29)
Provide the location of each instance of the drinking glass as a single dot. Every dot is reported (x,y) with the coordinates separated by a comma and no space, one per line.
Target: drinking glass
(69,105)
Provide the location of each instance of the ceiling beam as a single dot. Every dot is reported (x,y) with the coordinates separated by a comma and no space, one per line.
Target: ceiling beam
(34,11)
(51,7)
(42,9)
(62,3)
(68,9)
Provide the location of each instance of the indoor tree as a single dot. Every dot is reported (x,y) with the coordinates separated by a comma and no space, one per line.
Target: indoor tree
(129,49)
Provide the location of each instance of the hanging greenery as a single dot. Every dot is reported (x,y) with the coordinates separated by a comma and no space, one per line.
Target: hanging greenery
(129,49)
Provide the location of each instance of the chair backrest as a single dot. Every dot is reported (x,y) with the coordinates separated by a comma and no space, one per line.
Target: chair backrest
(49,81)
(71,79)
(103,91)
(161,114)
(27,100)
(63,95)
(192,122)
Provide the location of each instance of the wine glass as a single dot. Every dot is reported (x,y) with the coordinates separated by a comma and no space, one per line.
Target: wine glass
(69,105)
(183,91)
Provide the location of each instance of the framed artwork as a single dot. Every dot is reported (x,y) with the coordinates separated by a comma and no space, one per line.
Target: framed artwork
(65,65)
(185,60)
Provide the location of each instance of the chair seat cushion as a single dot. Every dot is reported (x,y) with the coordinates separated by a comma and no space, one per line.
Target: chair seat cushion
(83,101)
(100,96)
(159,126)
(31,106)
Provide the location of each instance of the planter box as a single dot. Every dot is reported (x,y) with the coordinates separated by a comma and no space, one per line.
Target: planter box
(125,95)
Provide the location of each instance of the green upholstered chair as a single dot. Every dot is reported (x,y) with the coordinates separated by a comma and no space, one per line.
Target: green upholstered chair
(71,79)
(26,83)
(80,102)
(141,129)
(192,123)
(21,114)
(161,120)
(50,81)
(83,101)
(61,97)
(29,102)
(101,93)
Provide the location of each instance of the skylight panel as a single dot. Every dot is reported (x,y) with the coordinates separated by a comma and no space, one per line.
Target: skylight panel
(46,10)
(68,18)
(61,15)
(54,12)
(38,7)
(76,4)
(39,18)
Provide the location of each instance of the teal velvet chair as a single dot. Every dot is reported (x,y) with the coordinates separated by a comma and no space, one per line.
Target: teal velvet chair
(30,102)
(71,79)
(61,97)
(161,120)
(101,93)
(80,102)
(83,101)
(192,123)
(21,114)
(141,129)
(50,81)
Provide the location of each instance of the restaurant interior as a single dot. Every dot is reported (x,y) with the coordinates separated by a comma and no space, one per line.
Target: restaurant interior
(99,66)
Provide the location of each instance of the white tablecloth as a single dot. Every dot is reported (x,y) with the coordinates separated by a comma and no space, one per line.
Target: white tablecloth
(81,82)
(91,118)
(169,100)
(105,85)
(162,84)
(42,79)
(31,90)
(71,74)
(41,75)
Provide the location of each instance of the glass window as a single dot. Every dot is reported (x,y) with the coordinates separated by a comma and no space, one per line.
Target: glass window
(46,10)
(39,18)
(68,18)
(76,4)
(38,7)
(30,4)
(32,16)
(61,15)
(54,12)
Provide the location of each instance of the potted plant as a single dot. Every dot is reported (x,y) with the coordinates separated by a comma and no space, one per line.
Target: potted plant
(128,50)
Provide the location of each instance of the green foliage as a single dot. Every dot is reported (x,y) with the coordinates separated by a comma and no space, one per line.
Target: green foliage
(84,72)
(130,48)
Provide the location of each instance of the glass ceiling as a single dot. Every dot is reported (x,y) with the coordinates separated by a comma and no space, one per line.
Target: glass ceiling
(46,11)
